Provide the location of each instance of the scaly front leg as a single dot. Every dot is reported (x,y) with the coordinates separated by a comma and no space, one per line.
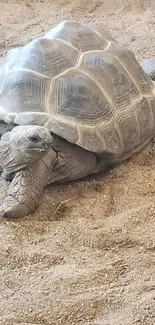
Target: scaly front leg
(26,188)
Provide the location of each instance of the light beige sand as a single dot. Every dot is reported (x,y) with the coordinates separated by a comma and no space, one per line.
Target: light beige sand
(92,261)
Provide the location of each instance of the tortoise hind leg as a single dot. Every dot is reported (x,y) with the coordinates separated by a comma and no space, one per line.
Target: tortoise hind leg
(149,67)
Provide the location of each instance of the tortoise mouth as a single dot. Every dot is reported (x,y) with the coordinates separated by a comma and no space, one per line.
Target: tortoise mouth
(40,147)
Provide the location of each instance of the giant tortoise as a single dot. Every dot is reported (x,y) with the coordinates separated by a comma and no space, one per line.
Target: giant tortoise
(72,103)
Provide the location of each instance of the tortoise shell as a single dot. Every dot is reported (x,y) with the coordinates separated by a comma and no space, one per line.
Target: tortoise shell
(81,84)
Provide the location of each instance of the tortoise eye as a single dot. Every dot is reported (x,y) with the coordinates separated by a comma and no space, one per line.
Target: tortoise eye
(34,138)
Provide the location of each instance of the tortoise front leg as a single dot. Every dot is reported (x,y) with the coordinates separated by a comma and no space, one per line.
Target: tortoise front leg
(26,188)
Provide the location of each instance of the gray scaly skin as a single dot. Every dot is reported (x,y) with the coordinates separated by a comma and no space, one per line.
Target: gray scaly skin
(26,158)
(22,146)
(32,164)
(26,188)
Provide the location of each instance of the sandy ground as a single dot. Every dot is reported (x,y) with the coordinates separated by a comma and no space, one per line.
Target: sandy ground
(90,260)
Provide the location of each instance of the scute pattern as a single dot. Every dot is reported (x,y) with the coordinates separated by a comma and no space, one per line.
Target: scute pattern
(88,139)
(78,36)
(92,90)
(126,59)
(46,57)
(78,96)
(145,113)
(25,91)
(129,129)
(112,138)
(119,88)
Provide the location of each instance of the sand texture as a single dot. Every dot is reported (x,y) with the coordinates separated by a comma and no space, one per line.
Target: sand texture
(90,259)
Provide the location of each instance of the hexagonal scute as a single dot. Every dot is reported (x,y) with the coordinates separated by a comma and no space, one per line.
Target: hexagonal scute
(134,71)
(146,117)
(24,91)
(46,57)
(78,96)
(78,35)
(111,136)
(129,130)
(112,76)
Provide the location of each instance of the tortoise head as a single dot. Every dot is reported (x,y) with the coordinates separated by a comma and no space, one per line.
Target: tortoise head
(23,145)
